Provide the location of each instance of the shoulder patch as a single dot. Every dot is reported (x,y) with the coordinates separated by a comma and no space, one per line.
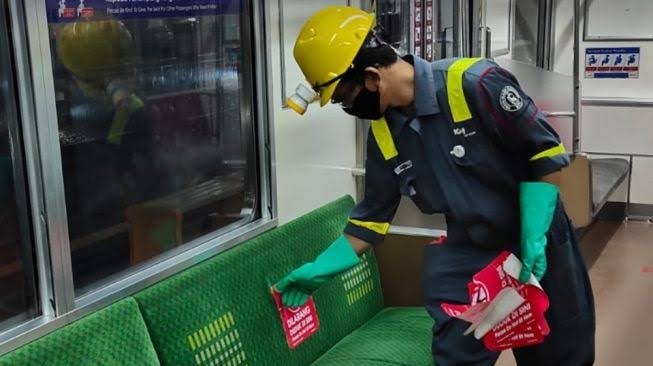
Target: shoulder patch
(510,99)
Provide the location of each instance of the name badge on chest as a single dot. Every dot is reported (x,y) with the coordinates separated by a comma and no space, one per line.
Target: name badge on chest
(403,167)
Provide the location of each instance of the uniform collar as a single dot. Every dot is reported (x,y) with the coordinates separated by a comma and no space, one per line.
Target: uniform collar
(425,102)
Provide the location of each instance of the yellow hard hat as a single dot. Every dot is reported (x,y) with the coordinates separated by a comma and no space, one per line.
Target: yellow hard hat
(327,44)
(91,50)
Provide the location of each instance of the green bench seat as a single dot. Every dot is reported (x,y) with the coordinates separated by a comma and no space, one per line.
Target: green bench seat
(395,336)
(115,335)
(220,312)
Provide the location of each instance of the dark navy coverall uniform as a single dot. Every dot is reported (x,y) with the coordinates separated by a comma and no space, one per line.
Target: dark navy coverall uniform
(469,139)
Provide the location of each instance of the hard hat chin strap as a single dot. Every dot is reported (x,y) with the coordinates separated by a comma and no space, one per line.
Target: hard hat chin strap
(317,86)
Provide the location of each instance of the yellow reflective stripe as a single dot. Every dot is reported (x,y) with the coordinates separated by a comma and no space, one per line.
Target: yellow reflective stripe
(455,94)
(378,227)
(554,151)
(383,138)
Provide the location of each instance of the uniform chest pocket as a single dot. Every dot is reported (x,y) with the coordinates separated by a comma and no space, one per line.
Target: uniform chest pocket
(480,159)
(468,151)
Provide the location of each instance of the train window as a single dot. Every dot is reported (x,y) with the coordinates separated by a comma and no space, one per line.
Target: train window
(526,31)
(499,23)
(18,291)
(154,107)
(394,21)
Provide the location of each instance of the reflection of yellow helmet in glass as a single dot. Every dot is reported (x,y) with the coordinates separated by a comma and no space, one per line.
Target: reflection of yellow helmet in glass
(92,50)
(325,48)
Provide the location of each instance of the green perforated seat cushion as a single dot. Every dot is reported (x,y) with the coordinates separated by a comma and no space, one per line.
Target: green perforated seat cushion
(396,336)
(221,311)
(113,336)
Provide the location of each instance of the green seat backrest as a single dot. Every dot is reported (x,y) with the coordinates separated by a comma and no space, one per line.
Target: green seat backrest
(115,335)
(220,312)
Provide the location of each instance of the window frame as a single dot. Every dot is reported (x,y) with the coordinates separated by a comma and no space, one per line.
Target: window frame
(19,171)
(39,121)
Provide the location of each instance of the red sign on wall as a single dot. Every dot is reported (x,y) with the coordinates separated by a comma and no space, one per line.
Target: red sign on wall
(417,28)
(428,30)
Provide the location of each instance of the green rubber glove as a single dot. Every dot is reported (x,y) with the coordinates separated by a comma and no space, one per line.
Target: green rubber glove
(538,202)
(297,286)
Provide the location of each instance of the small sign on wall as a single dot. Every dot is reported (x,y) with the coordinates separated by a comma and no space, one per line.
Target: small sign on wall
(417,28)
(612,63)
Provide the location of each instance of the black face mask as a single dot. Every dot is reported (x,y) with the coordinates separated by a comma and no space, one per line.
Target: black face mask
(366,105)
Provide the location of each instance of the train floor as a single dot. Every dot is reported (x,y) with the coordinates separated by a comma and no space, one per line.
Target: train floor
(620,261)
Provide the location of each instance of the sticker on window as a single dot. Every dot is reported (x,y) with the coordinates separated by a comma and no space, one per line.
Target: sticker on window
(62,11)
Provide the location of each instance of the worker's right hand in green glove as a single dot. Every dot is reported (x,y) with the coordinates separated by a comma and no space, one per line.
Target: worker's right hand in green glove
(297,286)
(538,202)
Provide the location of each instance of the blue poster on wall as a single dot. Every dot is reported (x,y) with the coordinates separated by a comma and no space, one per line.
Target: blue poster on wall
(63,11)
(612,63)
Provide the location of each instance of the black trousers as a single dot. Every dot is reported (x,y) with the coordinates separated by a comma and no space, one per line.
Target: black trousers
(450,266)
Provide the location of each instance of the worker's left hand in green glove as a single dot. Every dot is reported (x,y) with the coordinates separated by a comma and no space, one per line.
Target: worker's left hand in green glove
(538,202)
(297,286)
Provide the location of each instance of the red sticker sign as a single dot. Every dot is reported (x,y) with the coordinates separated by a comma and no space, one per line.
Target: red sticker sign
(298,323)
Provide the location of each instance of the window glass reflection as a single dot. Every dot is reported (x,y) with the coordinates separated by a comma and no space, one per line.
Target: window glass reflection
(154,112)
(393,17)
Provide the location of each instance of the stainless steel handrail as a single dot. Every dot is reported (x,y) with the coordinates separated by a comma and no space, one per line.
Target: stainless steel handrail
(606,153)
(417,231)
(617,102)
(559,114)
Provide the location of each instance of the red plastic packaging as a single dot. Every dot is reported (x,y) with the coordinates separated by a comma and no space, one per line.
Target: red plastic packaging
(524,326)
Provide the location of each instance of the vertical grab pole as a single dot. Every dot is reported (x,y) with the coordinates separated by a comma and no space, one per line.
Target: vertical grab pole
(358,171)
(577,90)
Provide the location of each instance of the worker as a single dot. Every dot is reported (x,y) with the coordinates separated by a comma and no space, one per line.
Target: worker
(99,54)
(119,157)
(460,137)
